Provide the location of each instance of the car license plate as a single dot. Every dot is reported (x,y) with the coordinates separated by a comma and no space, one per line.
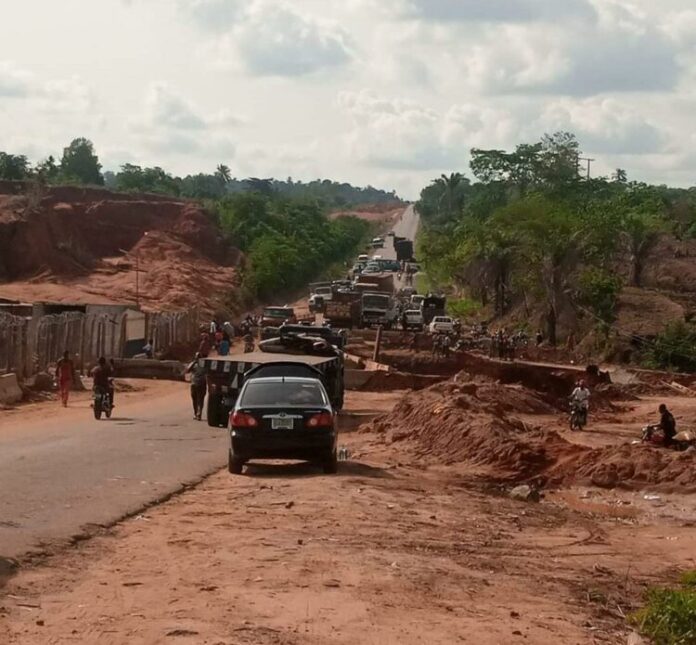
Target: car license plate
(282,423)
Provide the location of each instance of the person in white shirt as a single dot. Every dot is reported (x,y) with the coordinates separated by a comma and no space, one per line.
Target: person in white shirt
(581,396)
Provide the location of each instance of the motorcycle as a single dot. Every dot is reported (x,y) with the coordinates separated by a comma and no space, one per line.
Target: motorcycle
(103,402)
(654,436)
(578,416)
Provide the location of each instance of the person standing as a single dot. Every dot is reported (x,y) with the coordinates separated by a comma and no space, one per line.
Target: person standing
(65,375)
(198,386)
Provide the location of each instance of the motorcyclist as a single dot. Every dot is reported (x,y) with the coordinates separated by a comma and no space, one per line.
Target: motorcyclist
(667,424)
(101,378)
(581,398)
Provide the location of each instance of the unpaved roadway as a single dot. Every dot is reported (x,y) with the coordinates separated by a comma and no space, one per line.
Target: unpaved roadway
(392,550)
(62,472)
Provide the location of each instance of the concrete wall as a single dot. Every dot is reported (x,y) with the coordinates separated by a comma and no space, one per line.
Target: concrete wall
(9,389)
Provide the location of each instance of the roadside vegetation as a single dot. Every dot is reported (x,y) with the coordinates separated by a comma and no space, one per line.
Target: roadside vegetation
(531,233)
(669,616)
(288,242)
(282,226)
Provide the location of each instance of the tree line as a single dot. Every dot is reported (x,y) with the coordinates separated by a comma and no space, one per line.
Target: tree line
(80,164)
(532,227)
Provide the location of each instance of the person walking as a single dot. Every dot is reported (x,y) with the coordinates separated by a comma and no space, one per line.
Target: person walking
(65,375)
(198,386)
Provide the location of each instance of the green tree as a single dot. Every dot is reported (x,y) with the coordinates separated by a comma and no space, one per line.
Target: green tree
(80,163)
(48,170)
(13,167)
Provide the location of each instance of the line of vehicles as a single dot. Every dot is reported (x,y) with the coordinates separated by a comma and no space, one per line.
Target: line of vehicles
(281,401)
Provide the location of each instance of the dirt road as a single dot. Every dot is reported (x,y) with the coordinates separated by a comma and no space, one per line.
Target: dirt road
(61,471)
(389,551)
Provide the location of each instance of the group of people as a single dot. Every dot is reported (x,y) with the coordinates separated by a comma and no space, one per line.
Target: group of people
(442,345)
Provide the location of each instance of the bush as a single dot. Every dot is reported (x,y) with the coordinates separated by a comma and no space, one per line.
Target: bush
(462,308)
(599,291)
(669,617)
(673,350)
(288,242)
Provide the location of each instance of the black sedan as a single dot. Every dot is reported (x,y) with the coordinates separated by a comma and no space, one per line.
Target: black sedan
(283,417)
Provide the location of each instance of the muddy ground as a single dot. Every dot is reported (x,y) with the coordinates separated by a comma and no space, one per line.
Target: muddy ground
(395,549)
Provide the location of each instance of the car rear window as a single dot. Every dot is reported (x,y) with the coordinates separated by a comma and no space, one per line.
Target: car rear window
(281,393)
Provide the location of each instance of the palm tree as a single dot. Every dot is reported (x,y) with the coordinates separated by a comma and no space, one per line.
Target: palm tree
(449,185)
(223,173)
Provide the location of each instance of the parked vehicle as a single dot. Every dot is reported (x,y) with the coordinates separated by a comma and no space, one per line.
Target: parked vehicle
(344,310)
(372,267)
(441,325)
(414,319)
(276,316)
(404,250)
(377,243)
(296,344)
(378,309)
(364,258)
(417,301)
(433,306)
(283,417)
(324,292)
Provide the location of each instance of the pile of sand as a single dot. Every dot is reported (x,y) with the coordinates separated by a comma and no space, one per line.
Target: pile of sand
(476,422)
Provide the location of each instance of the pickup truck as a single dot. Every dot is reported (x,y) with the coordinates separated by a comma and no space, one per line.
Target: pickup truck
(441,325)
(414,319)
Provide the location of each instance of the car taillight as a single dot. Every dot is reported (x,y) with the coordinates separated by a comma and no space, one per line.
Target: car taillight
(243,420)
(323,420)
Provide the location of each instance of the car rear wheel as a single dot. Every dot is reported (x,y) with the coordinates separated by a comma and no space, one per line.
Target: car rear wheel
(234,464)
(330,465)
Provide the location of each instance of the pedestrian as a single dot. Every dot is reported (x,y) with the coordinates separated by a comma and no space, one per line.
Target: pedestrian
(446,346)
(149,349)
(65,374)
(539,338)
(224,345)
(198,386)
(204,346)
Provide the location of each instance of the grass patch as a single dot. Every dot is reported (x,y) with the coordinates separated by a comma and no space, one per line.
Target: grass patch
(669,616)
(463,308)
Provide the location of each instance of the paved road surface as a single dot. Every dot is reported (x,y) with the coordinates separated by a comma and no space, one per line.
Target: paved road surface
(407,227)
(61,470)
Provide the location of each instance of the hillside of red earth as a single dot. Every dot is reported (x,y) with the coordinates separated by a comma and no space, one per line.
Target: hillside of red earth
(77,245)
(377,213)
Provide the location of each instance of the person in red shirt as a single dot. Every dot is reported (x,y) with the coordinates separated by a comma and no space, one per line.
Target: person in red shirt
(65,371)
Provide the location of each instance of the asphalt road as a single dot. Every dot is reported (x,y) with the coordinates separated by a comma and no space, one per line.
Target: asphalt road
(61,470)
(406,227)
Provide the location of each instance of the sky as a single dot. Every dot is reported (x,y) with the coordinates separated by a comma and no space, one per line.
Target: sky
(383,92)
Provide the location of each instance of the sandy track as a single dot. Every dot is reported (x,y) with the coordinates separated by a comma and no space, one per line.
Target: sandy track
(385,552)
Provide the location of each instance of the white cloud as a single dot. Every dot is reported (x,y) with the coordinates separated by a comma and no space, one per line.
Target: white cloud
(14,82)
(499,10)
(272,37)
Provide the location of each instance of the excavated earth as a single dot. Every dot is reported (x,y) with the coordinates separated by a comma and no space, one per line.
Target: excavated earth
(77,245)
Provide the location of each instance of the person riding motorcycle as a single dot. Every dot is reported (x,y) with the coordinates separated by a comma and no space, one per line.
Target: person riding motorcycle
(581,398)
(101,379)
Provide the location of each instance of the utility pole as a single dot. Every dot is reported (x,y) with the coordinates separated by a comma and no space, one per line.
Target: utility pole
(589,165)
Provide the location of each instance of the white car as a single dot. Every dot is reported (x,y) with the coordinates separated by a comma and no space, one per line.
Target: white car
(441,325)
(323,292)
(414,319)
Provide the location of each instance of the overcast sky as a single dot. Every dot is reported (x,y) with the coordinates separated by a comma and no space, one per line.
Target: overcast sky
(387,92)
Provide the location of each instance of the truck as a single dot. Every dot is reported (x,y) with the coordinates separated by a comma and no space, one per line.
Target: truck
(433,306)
(404,250)
(378,309)
(378,281)
(292,355)
(344,309)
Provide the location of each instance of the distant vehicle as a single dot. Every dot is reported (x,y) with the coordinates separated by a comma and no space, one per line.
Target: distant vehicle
(377,243)
(276,316)
(324,292)
(433,306)
(414,319)
(407,292)
(283,417)
(378,309)
(404,250)
(417,301)
(392,265)
(372,267)
(391,234)
(364,258)
(441,325)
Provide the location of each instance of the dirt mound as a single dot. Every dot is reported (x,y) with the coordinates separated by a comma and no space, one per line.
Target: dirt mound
(373,212)
(476,422)
(82,245)
(470,422)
